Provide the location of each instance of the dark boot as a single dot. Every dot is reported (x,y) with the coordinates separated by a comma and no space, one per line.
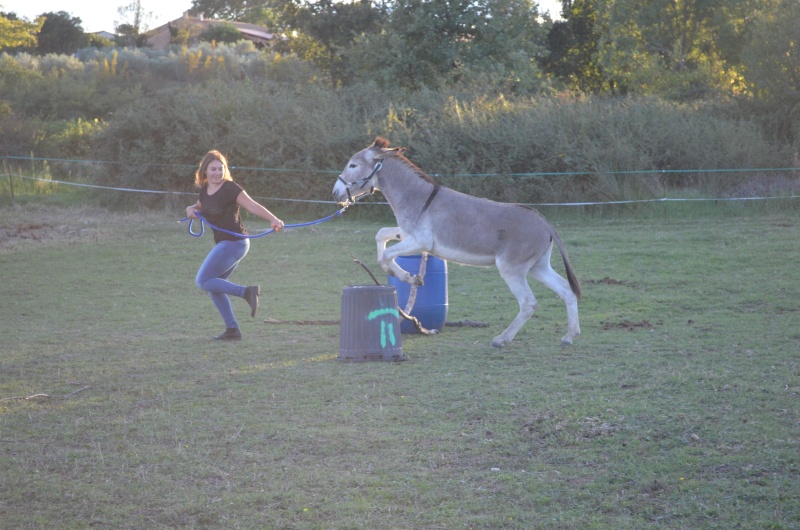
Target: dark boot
(230,334)
(251,294)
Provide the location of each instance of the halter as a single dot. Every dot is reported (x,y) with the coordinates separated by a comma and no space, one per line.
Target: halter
(360,183)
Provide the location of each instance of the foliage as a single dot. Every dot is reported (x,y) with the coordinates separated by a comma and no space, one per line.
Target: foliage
(500,119)
(684,51)
(221,33)
(98,41)
(222,9)
(61,34)
(73,138)
(135,23)
(772,66)
(572,48)
(266,111)
(642,42)
(15,33)
(414,42)
(258,125)
(603,140)
(326,30)
(53,87)
(431,43)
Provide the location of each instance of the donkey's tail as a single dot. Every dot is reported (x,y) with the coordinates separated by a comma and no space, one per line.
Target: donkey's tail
(574,283)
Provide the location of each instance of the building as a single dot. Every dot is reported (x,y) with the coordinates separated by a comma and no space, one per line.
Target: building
(104,35)
(161,37)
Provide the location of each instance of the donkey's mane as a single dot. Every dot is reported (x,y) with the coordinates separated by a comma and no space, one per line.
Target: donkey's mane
(421,174)
(383,143)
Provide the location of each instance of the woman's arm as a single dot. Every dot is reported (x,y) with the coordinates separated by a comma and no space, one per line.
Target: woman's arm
(246,202)
(190,210)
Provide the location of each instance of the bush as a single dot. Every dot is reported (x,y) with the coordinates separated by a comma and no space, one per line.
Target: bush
(149,116)
(602,140)
(277,136)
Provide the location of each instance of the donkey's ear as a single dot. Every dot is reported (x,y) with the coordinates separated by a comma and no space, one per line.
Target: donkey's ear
(380,143)
(380,154)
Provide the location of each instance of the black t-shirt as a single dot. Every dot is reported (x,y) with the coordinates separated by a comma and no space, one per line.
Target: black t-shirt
(222,211)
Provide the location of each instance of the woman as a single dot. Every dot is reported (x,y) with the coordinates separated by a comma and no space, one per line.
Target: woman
(219,202)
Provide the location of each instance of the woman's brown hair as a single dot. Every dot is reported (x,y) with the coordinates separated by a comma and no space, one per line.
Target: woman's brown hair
(200,178)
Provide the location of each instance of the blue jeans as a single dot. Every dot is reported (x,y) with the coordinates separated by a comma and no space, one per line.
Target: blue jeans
(214,272)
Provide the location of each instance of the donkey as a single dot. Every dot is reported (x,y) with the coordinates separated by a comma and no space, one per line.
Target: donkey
(457,227)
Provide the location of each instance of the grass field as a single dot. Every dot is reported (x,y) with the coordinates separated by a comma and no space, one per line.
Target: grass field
(678,407)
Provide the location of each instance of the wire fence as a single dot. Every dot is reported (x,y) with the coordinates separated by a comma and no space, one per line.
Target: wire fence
(792,192)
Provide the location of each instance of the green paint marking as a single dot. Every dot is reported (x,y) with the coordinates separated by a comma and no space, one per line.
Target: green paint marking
(381,312)
(388,311)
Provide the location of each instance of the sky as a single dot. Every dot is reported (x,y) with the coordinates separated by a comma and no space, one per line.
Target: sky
(102,15)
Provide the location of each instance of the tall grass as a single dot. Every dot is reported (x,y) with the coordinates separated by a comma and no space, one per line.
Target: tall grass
(608,149)
(150,114)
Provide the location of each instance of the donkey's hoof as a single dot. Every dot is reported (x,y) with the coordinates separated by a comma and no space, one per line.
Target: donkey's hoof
(417,280)
(497,342)
(566,340)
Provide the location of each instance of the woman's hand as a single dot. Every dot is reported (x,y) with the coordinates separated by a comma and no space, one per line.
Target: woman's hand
(246,202)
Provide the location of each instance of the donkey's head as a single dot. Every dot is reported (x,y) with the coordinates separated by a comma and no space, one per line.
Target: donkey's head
(360,175)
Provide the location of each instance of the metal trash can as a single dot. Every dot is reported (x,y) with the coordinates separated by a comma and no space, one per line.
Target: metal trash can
(369,328)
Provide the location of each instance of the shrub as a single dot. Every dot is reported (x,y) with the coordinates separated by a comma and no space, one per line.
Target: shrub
(152,114)
(603,140)
(279,135)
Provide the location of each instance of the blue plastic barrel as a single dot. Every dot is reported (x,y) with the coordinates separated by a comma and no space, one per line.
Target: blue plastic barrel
(431,305)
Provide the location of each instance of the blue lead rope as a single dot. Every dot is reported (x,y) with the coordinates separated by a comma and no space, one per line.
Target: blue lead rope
(204,221)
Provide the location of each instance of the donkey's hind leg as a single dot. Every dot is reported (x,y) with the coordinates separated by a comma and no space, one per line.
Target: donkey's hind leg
(518,284)
(544,273)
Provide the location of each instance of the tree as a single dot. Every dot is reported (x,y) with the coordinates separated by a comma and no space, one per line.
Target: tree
(134,25)
(97,41)
(336,24)
(572,47)
(221,32)
(677,48)
(223,9)
(326,30)
(428,42)
(771,68)
(771,55)
(15,33)
(61,33)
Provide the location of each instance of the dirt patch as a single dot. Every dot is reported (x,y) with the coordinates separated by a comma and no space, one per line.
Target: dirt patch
(38,225)
(626,325)
(605,281)
(12,234)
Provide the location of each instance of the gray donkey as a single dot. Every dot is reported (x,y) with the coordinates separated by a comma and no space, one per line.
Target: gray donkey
(458,227)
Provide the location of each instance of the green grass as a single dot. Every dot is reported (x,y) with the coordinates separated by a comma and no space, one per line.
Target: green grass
(678,407)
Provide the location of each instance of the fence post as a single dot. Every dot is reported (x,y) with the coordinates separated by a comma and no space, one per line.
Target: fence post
(11,185)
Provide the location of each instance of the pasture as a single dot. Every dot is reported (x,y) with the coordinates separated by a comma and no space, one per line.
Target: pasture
(677,407)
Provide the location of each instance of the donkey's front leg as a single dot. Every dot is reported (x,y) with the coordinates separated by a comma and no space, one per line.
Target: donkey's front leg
(405,247)
(383,236)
